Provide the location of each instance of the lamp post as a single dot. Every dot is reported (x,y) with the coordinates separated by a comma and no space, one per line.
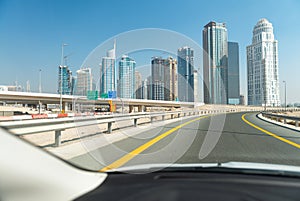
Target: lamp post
(40,80)
(284,95)
(61,76)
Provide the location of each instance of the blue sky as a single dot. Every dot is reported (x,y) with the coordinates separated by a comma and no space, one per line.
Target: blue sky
(32,31)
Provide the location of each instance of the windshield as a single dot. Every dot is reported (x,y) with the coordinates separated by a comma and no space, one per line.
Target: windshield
(129,85)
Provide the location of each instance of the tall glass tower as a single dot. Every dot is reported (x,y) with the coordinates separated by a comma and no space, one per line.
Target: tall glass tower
(262,66)
(215,63)
(233,73)
(108,72)
(126,77)
(64,80)
(185,74)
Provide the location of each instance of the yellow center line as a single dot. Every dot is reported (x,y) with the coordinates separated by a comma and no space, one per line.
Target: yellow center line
(118,163)
(270,133)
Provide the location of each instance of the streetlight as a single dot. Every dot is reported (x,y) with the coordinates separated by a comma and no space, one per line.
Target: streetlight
(40,80)
(284,95)
(61,77)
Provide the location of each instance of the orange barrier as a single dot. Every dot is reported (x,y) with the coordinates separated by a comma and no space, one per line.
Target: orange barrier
(61,115)
(39,116)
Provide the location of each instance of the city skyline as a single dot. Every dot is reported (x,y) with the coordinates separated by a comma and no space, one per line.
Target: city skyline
(45,54)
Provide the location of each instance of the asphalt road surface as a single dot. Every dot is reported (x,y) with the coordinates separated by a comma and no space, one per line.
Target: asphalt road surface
(221,138)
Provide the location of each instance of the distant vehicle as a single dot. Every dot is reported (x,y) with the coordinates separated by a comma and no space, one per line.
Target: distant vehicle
(103,108)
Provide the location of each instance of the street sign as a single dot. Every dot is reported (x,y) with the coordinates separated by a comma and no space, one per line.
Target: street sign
(112,94)
(92,95)
(104,95)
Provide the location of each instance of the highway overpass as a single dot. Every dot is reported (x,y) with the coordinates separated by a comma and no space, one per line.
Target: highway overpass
(67,100)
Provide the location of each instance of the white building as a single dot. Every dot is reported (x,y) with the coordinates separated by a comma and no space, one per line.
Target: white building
(126,77)
(84,81)
(262,66)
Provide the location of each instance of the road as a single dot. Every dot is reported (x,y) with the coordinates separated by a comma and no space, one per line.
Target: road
(230,138)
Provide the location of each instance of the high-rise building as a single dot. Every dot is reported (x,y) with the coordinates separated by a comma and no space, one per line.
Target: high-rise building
(233,74)
(149,87)
(126,77)
(108,72)
(215,63)
(172,83)
(84,81)
(164,78)
(144,89)
(185,57)
(138,85)
(64,80)
(262,66)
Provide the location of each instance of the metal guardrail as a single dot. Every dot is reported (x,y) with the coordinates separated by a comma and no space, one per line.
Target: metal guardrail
(34,126)
(27,127)
(284,117)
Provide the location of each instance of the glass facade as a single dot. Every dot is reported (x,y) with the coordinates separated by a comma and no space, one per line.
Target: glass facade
(215,63)
(233,73)
(185,74)
(107,75)
(164,79)
(126,78)
(64,80)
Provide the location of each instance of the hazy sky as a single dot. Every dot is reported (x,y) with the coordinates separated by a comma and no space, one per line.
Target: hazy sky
(32,31)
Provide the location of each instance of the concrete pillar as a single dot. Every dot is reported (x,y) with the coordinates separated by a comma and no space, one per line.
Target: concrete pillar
(140,108)
(109,127)
(64,107)
(130,108)
(135,122)
(151,119)
(57,138)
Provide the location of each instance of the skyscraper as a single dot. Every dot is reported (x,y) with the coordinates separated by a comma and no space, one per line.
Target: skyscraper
(185,57)
(64,80)
(108,72)
(164,78)
(138,85)
(126,77)
(262,66)
(215,64)
(233,73)
(84,81)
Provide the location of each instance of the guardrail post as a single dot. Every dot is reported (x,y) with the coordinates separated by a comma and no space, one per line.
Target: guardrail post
(57,138)
(297,123)
(172,116)
(109,127)
(163,117)
(135,122)
(151,119)
(178,115)
(184,114)
(284,121)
